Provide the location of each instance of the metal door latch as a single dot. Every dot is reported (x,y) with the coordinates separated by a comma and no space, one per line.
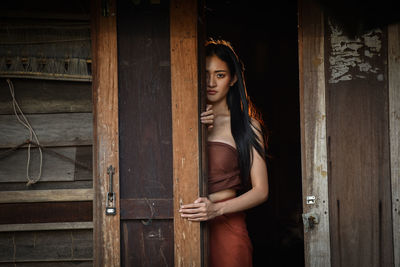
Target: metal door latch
(110,201)
(310,220)
(310,200)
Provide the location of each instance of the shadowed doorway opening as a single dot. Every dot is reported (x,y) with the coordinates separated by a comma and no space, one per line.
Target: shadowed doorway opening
(265,38)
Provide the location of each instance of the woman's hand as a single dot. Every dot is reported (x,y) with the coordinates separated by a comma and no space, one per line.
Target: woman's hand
(201,210)
(207,117)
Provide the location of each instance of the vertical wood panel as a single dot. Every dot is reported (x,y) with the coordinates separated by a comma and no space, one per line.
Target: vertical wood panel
(106,229)
(185,127)
(357,126)
(203,185)
(394,131)
(145,127)
(313,131)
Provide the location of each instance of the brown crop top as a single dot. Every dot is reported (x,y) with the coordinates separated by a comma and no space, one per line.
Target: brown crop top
(223,167)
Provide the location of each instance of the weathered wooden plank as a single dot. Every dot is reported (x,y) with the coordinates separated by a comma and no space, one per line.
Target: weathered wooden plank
(44,96)
(46,212)
(45,226)
(54,168)
(84,163)
(46,195)
(146,209)
(357,126)
(46,246)
(185,127)
(313,131)
(47,9)
(106,229)
(144,101)
(64,129)
(151,242)
(50,263)
(46,186)
(145,128)
(394,131)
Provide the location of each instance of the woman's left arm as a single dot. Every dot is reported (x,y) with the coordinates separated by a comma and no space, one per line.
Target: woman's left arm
(203,209)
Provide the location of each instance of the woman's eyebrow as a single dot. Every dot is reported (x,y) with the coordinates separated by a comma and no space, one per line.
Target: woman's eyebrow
(220,71)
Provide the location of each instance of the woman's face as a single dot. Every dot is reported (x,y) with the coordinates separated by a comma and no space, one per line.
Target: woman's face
(219,79)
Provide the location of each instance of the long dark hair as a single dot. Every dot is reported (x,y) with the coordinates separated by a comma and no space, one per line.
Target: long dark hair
(241,108)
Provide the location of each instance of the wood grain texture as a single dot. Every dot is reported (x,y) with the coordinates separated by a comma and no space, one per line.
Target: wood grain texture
(44,96)
(63,129)
(24,247)
(359,156)
(46,186)
(54,168)
(394,131)
(185,125)
(147,243)
(106,229)
(46,212)
(132,209)
(145,126)
(45,226)
(46,195)
(313,131)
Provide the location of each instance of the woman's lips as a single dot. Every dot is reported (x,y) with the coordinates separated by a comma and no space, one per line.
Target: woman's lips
(211,92)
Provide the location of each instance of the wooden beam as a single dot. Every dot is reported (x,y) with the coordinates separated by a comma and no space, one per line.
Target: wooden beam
(45,226)
(313,131)
(394,131)
(47,96)
(46,195)
(106,231)
(62,129)
(185,127)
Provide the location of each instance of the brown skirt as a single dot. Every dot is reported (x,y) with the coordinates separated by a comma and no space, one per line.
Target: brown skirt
(230,244)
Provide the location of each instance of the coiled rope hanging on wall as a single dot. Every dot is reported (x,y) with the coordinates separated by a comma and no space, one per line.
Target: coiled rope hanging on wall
(24,121)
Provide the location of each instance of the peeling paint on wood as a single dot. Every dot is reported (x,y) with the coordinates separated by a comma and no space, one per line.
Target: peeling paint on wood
(354,58)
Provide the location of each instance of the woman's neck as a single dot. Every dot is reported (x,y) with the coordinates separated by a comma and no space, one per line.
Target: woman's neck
(220,108)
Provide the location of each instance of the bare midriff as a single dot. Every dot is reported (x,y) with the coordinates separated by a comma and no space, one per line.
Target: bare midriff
(221,195)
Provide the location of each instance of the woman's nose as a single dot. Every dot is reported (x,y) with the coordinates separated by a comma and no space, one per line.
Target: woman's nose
(211,82)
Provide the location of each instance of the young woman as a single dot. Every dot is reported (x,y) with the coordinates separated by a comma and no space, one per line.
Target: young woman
(236,159)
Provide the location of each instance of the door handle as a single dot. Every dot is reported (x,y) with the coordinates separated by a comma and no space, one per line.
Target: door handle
(110,200)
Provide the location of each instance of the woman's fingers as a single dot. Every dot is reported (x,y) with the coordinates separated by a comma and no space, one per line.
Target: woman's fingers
(207,113)
(207,117)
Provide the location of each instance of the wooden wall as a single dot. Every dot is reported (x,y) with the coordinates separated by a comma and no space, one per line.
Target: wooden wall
(358,145)
(49,222)
(355,66)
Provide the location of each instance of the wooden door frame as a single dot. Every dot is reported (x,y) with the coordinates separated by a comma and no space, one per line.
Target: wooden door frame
(187,144)
(394,131)
(313,132)
(186,130)
(106,228)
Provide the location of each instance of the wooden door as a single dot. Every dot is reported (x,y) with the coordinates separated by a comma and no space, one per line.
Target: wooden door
(358,147)
(153,114)
(158,126)
(145,127)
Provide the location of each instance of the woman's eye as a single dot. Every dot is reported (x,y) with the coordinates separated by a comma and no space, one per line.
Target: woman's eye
(220,75)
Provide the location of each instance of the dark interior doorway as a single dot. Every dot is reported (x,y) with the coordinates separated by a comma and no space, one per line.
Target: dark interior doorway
(265,38)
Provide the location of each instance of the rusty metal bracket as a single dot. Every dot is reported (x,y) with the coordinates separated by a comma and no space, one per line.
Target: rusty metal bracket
(310,220)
